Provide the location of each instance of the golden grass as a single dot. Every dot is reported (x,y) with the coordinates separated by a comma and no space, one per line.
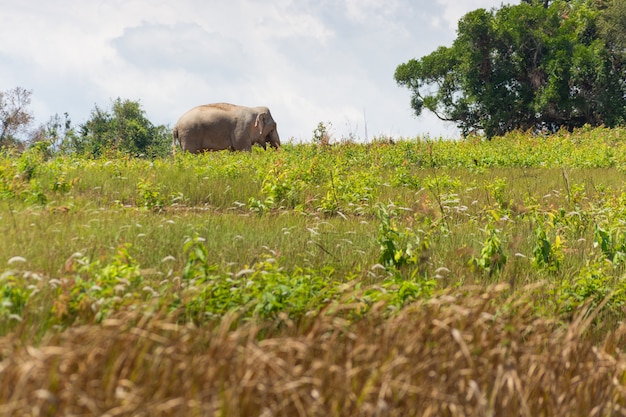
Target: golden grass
(471,353)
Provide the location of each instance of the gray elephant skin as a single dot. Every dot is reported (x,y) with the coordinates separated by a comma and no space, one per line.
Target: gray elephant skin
(214,127)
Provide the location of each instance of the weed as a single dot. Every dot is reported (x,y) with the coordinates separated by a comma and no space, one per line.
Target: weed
(492,257)
(150,195)
(398,249)
(548,249)
(13,296)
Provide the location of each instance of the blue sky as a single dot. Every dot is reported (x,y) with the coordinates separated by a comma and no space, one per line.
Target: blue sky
(309,61)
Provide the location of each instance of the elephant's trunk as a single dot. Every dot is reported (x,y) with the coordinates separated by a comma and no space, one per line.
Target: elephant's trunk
(274,139)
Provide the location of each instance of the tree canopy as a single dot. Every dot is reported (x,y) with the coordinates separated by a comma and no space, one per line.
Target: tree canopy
(538,65)
(14,114)
(123,129)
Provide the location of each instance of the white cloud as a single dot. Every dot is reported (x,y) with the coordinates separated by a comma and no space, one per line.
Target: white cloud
(285,19)
(373,11)
(455,9)
(308,60)
(186,47)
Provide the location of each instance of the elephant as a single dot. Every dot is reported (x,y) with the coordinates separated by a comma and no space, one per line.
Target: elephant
(218,126)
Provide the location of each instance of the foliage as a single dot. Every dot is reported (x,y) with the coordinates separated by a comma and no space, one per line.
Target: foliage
(525,66)
(13,296)
(393,222)
(60,134)
(478,260)
(262,291)
(321,134)
(492,255)
(124,129)
(548,248)
(398,249)
(594,286)
(613,26)
(150,195)
(94,289)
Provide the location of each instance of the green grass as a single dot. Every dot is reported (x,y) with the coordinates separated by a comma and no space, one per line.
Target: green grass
(455,215)
(271,242)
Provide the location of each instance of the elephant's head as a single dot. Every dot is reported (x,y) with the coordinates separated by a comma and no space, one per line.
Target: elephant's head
(268,132)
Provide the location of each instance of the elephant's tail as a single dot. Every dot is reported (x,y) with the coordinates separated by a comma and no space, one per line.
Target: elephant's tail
(175,140)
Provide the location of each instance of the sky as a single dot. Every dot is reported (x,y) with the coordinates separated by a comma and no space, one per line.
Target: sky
(309,61)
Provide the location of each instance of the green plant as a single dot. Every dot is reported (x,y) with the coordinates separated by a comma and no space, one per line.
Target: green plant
(549,245)
(197,267)
(258,206)
(262,291)
(403,291)
(397,249)
(31,160)
(150,195)
(279,187)
(13,296)
(94,289)
(612,243)
(492,257)
(592,286)
(496,188)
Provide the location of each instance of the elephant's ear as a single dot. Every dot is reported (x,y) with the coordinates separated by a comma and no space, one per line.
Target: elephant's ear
(260,122)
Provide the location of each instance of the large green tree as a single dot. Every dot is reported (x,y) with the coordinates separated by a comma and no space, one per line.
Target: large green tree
(537,65)
(124,129)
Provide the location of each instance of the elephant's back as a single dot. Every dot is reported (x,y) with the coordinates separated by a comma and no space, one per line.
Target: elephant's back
(206,115)
(206,127)
(220,106)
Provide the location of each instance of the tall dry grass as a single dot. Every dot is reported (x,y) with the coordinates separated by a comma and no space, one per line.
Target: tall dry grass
(464,354)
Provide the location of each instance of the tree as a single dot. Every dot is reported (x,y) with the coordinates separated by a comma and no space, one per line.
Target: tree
(59,133)
(613,25)
(14,114)
(126,129)
(528,66)
(544,3)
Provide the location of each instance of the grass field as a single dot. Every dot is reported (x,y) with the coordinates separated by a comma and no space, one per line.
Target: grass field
(416,277)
